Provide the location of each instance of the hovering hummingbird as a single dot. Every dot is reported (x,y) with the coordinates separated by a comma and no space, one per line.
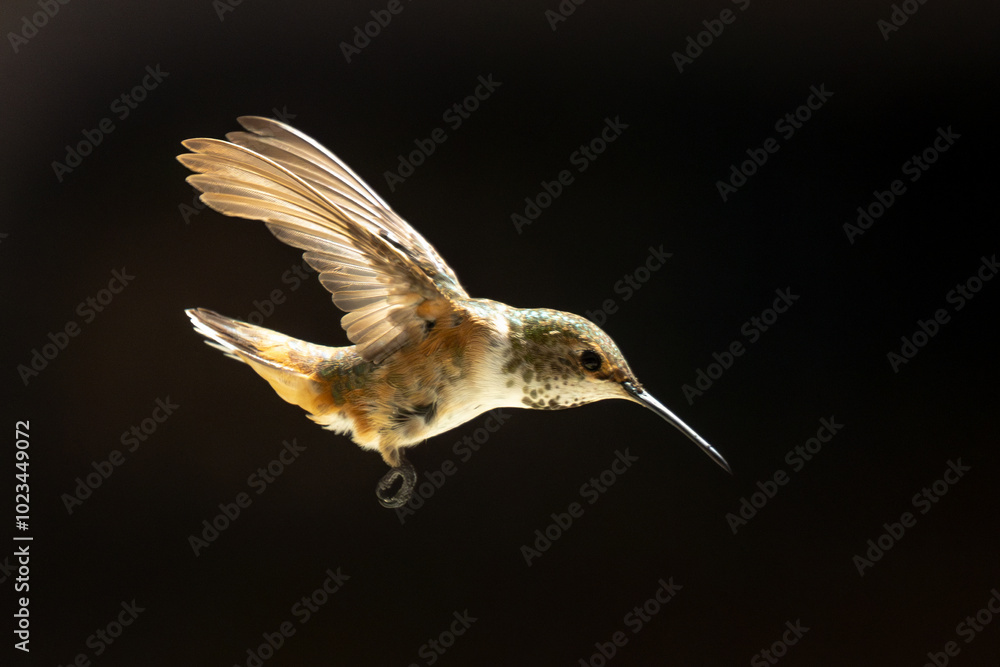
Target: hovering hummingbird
(426,356)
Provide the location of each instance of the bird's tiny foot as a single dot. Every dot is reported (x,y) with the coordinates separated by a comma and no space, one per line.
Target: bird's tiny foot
(407,476)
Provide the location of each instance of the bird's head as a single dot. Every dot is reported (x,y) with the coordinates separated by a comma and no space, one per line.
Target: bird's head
(562,360)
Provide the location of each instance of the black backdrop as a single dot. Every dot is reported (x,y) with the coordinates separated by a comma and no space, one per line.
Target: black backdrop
(792,564)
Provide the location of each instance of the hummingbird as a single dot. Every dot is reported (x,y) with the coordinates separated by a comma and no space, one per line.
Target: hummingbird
(426,357)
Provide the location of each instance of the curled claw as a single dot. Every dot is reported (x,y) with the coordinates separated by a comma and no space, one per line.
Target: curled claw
(407,475)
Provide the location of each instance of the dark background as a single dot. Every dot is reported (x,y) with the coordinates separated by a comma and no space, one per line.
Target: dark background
(123,206)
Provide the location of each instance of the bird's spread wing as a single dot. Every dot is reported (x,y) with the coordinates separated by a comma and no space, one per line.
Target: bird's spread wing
(387,278)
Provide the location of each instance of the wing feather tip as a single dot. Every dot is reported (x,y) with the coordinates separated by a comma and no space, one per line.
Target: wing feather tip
(258,124)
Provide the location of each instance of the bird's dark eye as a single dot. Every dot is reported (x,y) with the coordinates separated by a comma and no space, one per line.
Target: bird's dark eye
(590,360)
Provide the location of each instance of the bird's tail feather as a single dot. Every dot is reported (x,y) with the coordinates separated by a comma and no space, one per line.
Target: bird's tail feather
(288,364)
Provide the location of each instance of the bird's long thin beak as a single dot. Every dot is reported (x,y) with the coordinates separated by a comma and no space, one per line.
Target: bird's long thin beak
(643,397)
